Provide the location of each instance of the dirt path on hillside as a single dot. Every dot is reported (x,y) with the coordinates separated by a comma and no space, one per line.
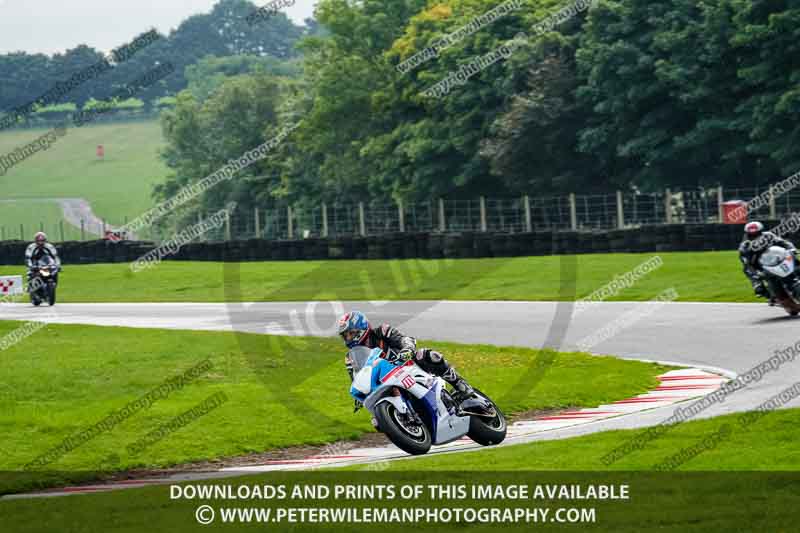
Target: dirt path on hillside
(75,211)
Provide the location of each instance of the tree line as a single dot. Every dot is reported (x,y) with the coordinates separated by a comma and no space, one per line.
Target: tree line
(221,33)
(631,95)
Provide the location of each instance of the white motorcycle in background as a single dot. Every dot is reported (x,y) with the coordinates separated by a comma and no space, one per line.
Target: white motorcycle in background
(779,276)
(415,410)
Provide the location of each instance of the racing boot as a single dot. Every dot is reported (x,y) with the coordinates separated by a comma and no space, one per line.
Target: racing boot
(435,363)
(461,389)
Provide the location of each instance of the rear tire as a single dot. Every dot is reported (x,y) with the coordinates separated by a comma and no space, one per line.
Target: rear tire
(414,441)
(488,432)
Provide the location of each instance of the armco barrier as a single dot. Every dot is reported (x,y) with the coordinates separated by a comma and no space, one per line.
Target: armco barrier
(666,238)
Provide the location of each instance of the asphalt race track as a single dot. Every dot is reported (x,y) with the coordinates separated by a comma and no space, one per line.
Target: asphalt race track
(722,338)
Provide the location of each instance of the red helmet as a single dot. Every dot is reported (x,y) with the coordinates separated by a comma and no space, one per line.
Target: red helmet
(753,230)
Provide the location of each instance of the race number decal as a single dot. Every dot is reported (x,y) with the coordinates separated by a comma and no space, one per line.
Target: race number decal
(408,382)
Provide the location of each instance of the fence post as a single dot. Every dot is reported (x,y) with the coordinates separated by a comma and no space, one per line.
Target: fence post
(21,232)
(668,206)
(362,223)
(83,231)
(528,222)
(484,225)
(773,212)
(324,219)
(3,233)
(720,201)
(401,216)
(228,226)
(442,219)
(257,218)
(61,229)
(573,212)
(290,224)
(620,211)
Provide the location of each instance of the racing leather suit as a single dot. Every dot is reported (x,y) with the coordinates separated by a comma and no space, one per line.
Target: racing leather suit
(388,338)
(34,253)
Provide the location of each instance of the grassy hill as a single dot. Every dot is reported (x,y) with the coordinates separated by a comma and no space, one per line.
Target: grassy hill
(117,187)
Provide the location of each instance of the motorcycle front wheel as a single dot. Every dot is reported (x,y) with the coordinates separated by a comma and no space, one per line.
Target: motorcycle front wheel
(51,295)
(410,437)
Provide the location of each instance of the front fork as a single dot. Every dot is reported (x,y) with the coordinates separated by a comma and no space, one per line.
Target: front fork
(402,406)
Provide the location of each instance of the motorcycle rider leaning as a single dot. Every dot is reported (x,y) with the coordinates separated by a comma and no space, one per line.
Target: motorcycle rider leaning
(38,249)
(355,330)
(756,242)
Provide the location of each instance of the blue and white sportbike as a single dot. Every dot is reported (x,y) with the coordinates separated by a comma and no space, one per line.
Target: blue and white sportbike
(414,408)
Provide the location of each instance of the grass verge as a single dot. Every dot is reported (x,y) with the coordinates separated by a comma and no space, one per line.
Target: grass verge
(697,277)
(748,482)
(65,379)
(768,444)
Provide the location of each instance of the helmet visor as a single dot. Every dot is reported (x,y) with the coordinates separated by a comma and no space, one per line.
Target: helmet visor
(352,337)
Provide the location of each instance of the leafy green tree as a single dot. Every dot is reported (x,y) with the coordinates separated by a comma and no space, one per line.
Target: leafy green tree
(767,44)
(202,136)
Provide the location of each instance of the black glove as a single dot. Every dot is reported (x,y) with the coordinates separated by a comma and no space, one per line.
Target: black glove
(399,357)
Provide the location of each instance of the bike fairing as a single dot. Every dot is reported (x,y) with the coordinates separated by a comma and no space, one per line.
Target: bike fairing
(382,371)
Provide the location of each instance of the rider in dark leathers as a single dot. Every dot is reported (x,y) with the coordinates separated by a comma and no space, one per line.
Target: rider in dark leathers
(756,242)
(355,330)
(38,250)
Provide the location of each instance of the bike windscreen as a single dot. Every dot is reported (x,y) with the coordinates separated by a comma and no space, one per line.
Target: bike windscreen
(359,355)
(773,257)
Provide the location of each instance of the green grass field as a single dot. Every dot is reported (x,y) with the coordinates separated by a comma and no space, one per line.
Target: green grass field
(29,216)
(744,484)
(281,391)
(697,277)
(768,444)
(117,187)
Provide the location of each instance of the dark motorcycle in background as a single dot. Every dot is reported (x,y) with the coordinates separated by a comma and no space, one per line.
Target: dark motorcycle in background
(42,283)
(779,276)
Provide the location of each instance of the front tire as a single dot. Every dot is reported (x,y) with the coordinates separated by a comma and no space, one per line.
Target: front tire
(51,296)
(415,440)
(488,432)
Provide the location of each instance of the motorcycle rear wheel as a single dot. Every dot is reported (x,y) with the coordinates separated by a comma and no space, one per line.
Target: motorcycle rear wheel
(488,432)
(415,440)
